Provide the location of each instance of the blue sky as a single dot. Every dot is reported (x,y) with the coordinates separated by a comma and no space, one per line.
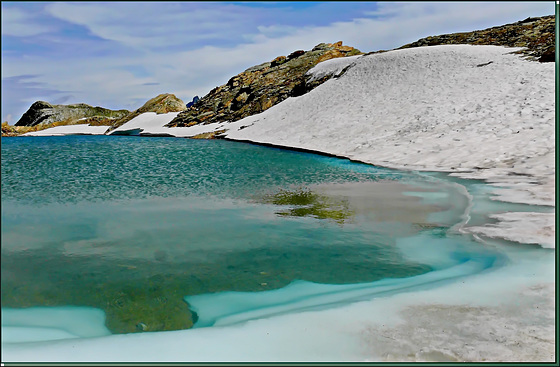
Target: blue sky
(120,54)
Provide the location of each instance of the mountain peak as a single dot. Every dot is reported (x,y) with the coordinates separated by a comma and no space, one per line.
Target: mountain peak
(163,103)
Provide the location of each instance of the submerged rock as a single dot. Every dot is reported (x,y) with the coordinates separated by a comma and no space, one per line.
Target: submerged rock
(141,327)
(262,86)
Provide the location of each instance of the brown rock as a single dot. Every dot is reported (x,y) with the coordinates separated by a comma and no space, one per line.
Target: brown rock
(344,48)
(278,61)
(331,54)
(209,135)
(295,54)
(162,103)
(537,35)
(261,87)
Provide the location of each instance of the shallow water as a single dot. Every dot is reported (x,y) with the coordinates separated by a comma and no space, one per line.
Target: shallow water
(137,226)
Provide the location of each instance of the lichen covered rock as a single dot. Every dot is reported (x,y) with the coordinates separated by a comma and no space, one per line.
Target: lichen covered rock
(46,114)
(262,86)
(163,103)
(537,35)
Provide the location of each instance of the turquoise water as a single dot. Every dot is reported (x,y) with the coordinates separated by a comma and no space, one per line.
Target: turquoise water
(137,226)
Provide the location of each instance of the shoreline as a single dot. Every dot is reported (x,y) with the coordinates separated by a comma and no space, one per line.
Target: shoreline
(478,335)
(502,229)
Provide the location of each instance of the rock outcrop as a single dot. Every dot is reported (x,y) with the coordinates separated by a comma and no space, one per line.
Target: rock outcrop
(8,130)
(537,35)
(47,115)
(261,87)
(163,103)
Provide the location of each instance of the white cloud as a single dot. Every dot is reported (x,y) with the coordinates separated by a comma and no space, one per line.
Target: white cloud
(16,22)
(276,30)
(153,24)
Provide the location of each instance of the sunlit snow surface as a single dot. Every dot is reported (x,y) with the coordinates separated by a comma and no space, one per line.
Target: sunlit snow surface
(81,129)
(430,108)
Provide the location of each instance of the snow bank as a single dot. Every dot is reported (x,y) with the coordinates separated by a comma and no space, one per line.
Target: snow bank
(514,227)
(146,122)
(152,124)
(80,129)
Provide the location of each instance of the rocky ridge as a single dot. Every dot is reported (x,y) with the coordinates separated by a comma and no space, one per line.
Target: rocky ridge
(536,35)
(263,86)
(46,115)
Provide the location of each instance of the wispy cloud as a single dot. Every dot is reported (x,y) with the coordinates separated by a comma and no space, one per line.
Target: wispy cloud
(22,22)
(191,24)
(24,90)
(120,54)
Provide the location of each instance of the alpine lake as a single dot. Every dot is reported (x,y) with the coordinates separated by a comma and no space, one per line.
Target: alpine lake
(135,226)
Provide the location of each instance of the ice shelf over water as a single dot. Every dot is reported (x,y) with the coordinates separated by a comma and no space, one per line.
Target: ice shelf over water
(51,323)
(228,308)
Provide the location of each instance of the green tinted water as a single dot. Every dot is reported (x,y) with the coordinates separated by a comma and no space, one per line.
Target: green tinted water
(133,225)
